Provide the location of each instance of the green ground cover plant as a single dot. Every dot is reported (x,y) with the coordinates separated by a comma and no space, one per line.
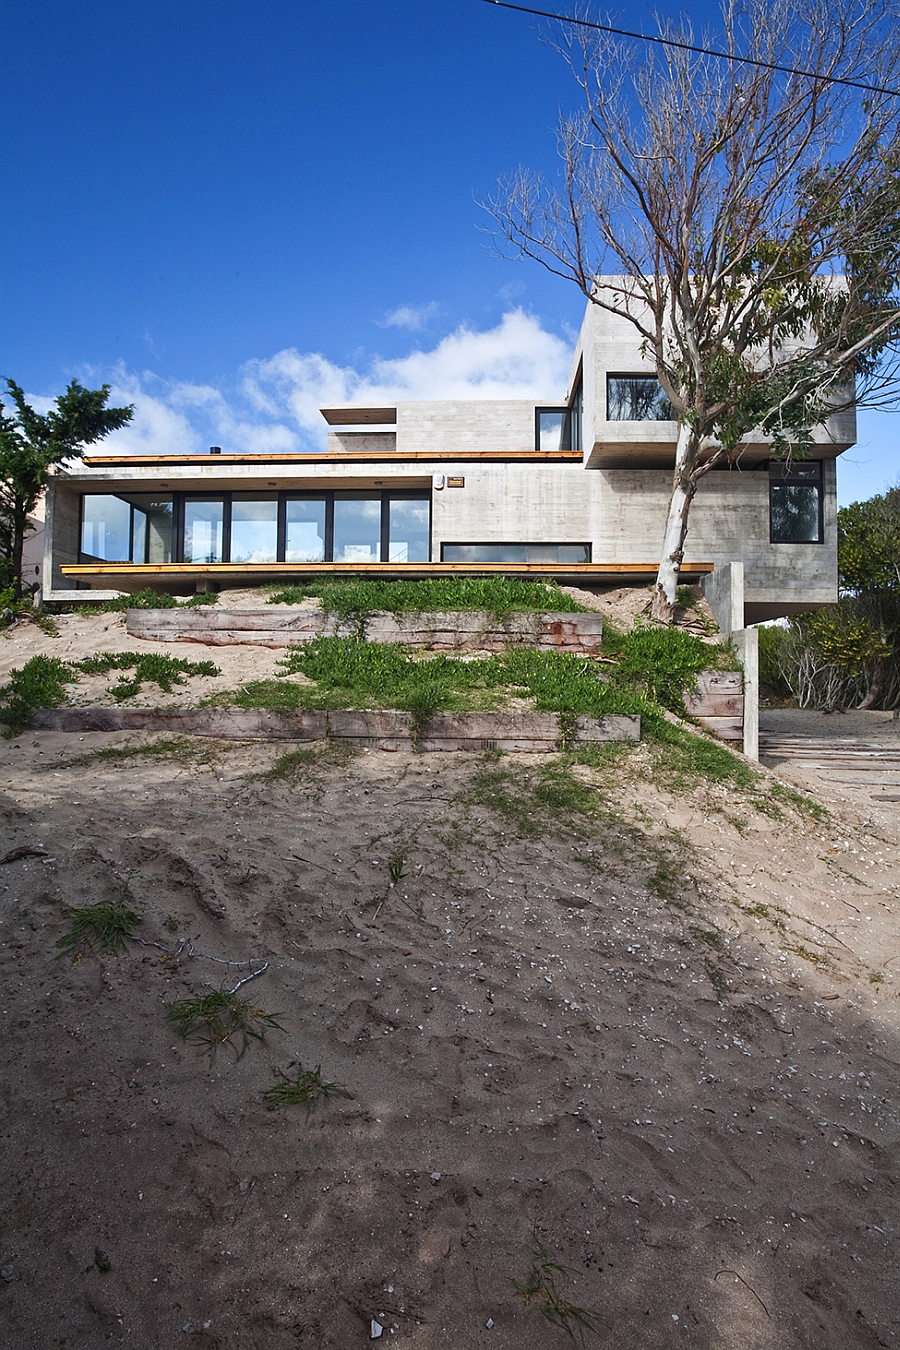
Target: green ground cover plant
(497,595)
(180,749)
(221,1018)
(540,1288)
(145,599)
(307,1088)
(40,683)
(105,927)
(149,667)
(386,675)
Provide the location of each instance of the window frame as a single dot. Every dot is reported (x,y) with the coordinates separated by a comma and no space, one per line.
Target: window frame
(519,543)
(635,375)
(327,495)
(787,480)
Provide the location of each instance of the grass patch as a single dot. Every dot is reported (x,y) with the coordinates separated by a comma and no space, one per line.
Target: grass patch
(532,801)
(781,795)
(302,764)
(145,599)
(682,758)
(665,662)
(307,1088)
(149,668)
(221,1018)
(41,683)
(540,1288)
(180,748)
(496,595)
(99,928)
(347,672)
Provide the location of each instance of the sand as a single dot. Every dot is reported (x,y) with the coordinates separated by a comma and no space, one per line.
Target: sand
(661,1040)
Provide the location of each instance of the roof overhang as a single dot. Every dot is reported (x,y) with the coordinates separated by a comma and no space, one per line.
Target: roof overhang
(359,417)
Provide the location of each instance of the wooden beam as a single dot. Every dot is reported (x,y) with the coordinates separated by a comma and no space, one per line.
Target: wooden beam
(279,570)
(440,461)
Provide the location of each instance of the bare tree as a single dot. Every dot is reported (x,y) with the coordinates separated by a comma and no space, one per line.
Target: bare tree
(745,221)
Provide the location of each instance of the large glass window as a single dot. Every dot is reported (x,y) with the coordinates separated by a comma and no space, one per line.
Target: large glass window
(357,527)
(409,529)
(516,553)
(204,530)
(132,527)
(254,528)
(795,503)
(305,529)
(636,398)
(106,528)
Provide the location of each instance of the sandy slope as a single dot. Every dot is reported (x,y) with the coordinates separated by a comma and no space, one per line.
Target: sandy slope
(608,1031)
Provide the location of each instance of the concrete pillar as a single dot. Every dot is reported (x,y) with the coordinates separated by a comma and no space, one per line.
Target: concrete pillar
(724,591)
(746,643)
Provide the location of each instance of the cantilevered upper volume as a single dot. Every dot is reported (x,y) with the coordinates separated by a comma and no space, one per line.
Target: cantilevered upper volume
(574,487)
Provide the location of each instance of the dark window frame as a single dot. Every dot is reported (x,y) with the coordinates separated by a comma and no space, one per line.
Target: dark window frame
(179,498)
(520,543)
(635,375)
(786,478)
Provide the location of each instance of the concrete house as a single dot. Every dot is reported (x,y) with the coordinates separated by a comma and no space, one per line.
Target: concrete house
(573,488)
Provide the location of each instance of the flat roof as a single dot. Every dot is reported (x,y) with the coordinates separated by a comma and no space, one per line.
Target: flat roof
(359,417)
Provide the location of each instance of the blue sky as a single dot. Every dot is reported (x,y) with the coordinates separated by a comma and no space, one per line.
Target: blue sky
(233,212)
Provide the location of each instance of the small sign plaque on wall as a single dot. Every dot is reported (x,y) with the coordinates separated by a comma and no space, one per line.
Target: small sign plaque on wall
(456,482)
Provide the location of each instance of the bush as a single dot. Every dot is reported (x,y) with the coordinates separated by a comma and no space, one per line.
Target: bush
(845,655)
(41,683)
(495,595)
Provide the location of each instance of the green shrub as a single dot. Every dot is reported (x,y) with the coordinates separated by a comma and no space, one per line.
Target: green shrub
(149,667)
(145,599)
(41,683)
(105,927)
(497,595)
(771,645)
(664,663)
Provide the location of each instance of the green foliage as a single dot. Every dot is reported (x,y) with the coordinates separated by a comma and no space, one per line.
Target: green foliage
(149,667)
(869,544)
(771,645)
(14,608)
(496,595)
(221,1018)
(145,599)
(540,1288)
(104,927)
(845,655)
(352,673)
(41,683)
(683,758)
(177,748)
(31,444)
(533,801)
(307,1088)
(665,662)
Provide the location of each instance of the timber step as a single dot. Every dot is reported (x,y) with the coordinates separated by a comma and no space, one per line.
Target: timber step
(378,730)
(453,630)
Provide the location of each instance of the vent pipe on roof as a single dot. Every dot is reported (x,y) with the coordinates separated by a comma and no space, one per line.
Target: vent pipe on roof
(215,449)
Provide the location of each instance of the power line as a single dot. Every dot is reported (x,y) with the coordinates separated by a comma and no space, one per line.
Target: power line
(703,51)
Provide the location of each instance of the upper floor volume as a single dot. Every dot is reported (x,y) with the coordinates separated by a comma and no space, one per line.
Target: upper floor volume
(573,487)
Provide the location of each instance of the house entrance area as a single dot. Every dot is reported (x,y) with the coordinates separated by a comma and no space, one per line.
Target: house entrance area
(255,527)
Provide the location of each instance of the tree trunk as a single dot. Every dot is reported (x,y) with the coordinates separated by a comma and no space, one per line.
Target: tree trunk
(20,522)
(684,486)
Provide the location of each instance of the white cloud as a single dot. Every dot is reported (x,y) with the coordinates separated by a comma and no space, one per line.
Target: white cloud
(274,402)
(413,317)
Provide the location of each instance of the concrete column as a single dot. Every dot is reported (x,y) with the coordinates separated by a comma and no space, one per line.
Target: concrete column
(724,591)
(746,643)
